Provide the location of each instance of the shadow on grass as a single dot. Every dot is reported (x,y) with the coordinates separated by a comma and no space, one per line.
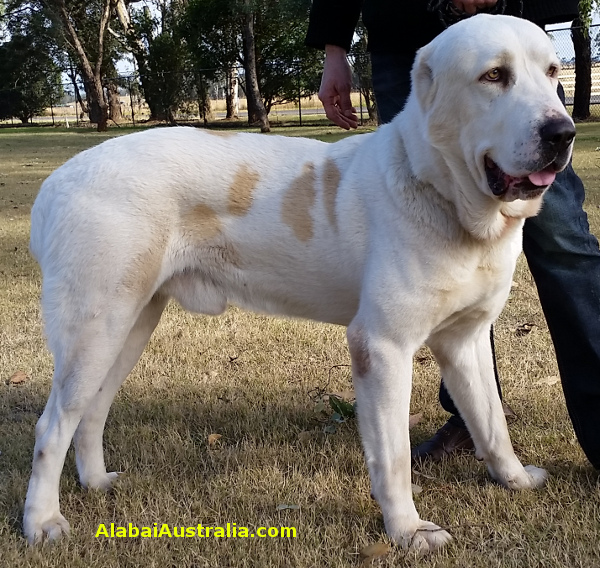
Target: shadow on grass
(161,442)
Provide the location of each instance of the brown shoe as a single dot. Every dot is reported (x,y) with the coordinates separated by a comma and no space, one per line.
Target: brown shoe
(448,440)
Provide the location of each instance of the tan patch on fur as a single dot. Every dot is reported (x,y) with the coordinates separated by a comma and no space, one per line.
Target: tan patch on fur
(359,351)
(224,254)
(145,268)
(220,133)
(297,202)
(331,182)
(201,222)
(241,190)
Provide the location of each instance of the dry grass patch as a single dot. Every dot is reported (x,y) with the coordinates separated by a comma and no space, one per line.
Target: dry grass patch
(255,381)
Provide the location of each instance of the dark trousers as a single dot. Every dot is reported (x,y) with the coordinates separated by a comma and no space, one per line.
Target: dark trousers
(564,260)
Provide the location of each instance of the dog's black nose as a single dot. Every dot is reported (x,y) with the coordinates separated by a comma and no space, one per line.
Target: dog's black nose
(557,134)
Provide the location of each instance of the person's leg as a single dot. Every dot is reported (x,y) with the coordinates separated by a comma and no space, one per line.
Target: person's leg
(446,400)
(391,83)
(564,260)
(453,436)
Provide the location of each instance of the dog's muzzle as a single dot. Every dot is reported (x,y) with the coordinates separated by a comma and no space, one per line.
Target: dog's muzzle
(556,136)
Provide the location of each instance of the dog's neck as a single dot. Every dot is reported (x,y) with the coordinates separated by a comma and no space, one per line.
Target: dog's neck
(483,216)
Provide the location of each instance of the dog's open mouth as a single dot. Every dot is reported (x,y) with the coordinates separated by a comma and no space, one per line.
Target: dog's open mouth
(509,187)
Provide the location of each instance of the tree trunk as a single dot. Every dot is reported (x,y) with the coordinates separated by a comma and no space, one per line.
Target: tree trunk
(91,76)
(363,72)
(204,106)
(73,77)
(583,71)
(140,54)
(232,99)
(94,111)
(257,113)
(114,103)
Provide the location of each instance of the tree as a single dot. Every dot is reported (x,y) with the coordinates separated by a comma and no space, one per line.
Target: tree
(232,101)
(139,30)
(361,65)
(81,31)
(583,70)
(288,70)
(166,74)
(257,113)
(211,29)
(74,19)
(29,79)
(583,59)
(278,68)
(586,8)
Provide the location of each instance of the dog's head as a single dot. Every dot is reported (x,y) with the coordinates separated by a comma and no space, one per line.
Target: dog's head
(486,88)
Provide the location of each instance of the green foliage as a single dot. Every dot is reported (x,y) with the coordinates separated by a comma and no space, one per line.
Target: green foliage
(586,8)
(166,74)
(361,65)
(342,408)
(163,59)
(29,79)
(182,49)
(286,68)
(213,33)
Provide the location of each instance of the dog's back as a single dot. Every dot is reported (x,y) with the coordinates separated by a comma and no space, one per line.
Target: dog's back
(178,210)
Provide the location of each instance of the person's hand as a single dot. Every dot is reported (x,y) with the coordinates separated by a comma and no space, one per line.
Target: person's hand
(471,6)
(336,85)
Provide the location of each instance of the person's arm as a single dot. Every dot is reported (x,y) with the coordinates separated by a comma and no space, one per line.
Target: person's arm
(332,22)
(336,86)
(331,27)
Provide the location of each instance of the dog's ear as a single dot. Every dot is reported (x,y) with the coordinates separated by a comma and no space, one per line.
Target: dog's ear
(422,78)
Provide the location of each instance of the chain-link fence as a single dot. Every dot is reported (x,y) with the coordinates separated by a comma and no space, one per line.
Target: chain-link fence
(563,43)
(128,105)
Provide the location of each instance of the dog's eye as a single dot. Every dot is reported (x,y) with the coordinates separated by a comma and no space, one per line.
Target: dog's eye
(552,71)
(493,75)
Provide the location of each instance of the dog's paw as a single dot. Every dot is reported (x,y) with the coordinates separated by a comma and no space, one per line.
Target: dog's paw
(537,475)
(428,538)
(424,538)
(39,528)
(103,482)
(528,477)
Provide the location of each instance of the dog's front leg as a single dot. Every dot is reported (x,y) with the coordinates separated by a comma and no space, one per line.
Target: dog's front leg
(465,358)
(382,375)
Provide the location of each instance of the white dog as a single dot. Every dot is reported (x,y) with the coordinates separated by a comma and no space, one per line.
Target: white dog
(407,236)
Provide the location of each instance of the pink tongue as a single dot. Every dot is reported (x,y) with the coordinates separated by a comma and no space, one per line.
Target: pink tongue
(545,177)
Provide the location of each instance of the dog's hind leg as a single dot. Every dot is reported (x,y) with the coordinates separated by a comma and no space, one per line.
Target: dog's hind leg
(466,364)
(85,347)
(89,452)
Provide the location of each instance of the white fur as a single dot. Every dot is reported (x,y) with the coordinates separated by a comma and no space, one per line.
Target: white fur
(408,246)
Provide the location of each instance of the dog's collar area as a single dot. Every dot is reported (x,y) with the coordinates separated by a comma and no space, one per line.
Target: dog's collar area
(526,187)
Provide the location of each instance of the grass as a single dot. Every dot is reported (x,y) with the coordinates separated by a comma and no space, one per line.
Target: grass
(256,382)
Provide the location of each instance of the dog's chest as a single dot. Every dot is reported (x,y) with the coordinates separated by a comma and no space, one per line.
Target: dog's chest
(477,285)
(466,280)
